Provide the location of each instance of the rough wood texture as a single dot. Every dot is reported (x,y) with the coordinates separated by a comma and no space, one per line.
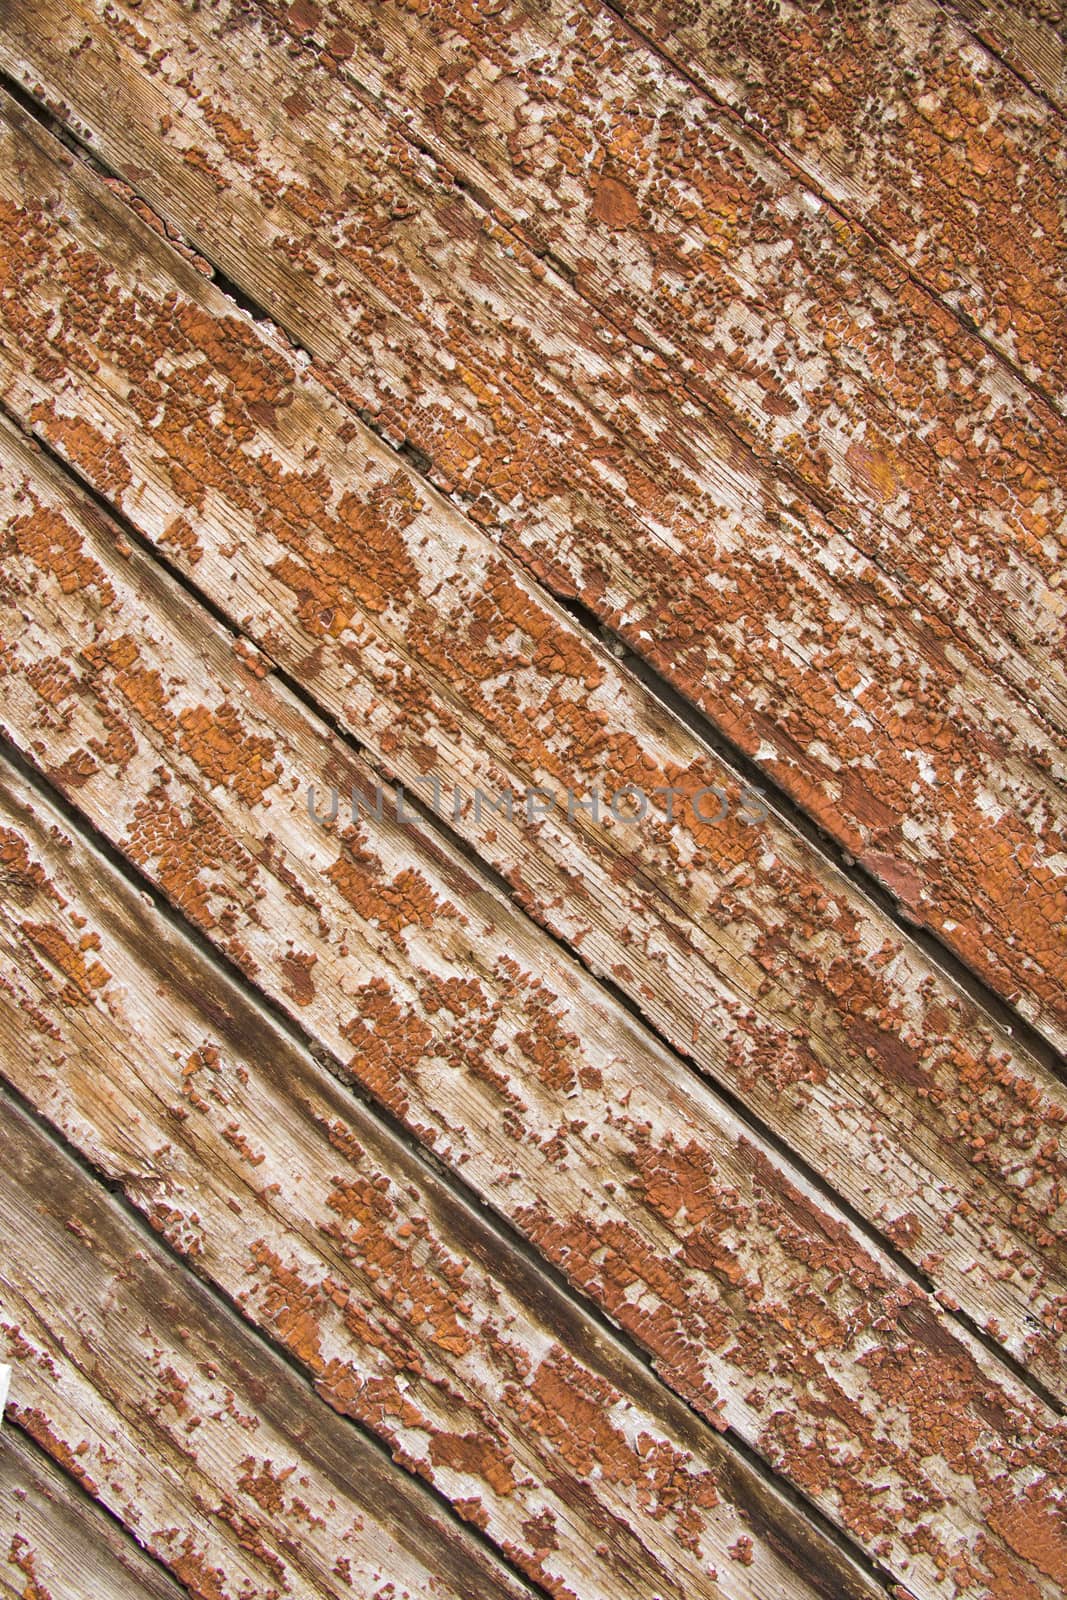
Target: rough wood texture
(194,1434)
(758,1303)
(751,956)
(614,398)
(1030,35)
(849,561)
(55,1542)
(898,117)
(406,1308)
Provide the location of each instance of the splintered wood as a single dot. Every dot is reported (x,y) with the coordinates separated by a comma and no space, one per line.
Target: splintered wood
(533,836)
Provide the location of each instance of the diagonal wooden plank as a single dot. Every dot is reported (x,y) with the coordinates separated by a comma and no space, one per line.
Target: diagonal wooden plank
(410,1312)
(868,366)
(1029,35)
(191,1432)
(901,120)
(764,1308)
(738,942)
(58,1544)
(926,148)
(933,751)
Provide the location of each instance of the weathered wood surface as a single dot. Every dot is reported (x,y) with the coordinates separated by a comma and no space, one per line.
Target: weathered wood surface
(405,1306)
(777,403)
(893,657)
(55,1542)
(1030,35)
(898,117)
(194,1434)
(750,955)
(758,1303)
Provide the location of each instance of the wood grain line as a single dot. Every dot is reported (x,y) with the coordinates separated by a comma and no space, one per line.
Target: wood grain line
(59,1543)
(905,1099)
(195,1435)
(411,1312)
(516,1070)
(900,121)
(969,839)
(1028,36)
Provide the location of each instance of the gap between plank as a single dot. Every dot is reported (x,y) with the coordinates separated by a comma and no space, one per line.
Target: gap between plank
(507,1237)
(787,811)
(437,828)
(80,1492)
(1002,60)
(794,167)
(113,1186)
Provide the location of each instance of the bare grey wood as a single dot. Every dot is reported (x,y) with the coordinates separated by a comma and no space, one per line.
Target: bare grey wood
(757,1300)
(194,1434)
(810,499)
(1031,35)
(407,1309)
(57,1544)
(752,957)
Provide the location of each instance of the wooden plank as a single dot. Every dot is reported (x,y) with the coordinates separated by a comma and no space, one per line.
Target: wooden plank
(900,119)
(409,1311)
(927,142)
(58,1544)
(1029,35)
(761,1305)
(903,717)
(749,954)
(191,1432)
